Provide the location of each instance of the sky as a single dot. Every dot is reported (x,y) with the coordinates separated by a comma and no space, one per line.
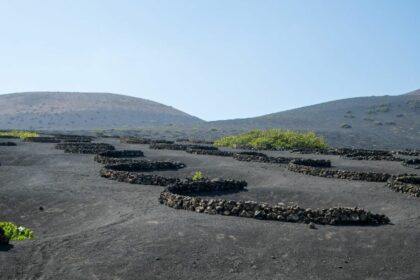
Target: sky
(215,59)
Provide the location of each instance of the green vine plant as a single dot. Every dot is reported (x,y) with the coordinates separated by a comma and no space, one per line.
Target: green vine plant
(198,176)
(14,232)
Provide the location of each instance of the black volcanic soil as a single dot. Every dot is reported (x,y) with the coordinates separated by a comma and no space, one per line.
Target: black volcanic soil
(94,228)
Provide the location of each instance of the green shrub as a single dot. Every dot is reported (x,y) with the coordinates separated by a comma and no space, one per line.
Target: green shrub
(198,176)
(273,139)
(14,232)
(21,134)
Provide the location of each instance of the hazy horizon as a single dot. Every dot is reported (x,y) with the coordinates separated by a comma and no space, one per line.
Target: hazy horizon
(214,60)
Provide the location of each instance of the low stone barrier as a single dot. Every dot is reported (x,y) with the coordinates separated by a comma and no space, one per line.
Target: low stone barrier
(73,138)
(337,173)
(355,154)
(137,178)
(413,163)
(162,141)
(201,141)
(113,157)
(147,165)
(135,140)
(405,184)
(131,172)
(42,140)
(8,144)
(85,148)
(312,162)
(360,154)
(176,196)
(415,153)
(209,152)
(179,147)
(260,157)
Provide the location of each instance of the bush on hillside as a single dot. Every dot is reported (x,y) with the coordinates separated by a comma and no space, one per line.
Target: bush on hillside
(276,139)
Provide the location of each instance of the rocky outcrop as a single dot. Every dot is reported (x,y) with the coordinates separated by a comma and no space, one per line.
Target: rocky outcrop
(8,144)
(337,173)
(113,157)
(178,196)
(405,184)
(85,148)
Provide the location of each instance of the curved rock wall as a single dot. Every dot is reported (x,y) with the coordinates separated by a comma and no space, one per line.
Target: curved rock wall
(209,152)
(355,154)
(405,184)
(180,147)
(408,153)
(137,178)
(413,163)
(312,162)
(42,139)
(175,196)
(114,157)
(338,174)
(135,140)
(85,148)
(146,165)
(8,144)
(122,154)
(259,157)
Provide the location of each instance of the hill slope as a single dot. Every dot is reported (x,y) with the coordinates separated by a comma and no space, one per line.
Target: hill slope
(369,122)
(76,110)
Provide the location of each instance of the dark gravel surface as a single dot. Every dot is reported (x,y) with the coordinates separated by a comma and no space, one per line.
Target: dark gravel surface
(94,228)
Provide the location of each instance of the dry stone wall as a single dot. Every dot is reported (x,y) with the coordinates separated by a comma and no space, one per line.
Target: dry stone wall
(132,172)
(179,147)
(405,184)
(178,196)
(337,173)
(8,144)
(85,148)
(413,163)
(210,152)
(113,157)
(260,157)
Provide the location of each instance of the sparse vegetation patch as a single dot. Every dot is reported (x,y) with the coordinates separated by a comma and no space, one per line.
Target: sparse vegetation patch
(273,139)
(20,134)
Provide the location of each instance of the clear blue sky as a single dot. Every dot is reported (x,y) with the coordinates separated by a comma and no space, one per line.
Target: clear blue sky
(215,59)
